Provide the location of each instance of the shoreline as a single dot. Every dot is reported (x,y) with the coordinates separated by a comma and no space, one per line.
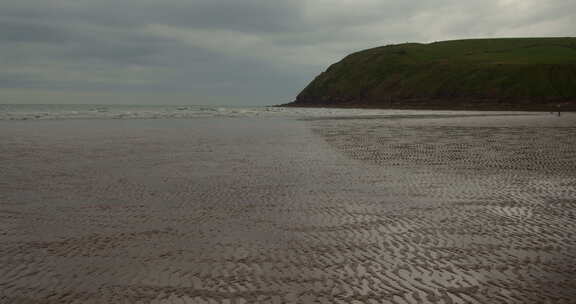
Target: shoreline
(535,108)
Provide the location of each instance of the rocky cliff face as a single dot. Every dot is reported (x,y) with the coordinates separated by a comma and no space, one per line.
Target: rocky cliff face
(480,73)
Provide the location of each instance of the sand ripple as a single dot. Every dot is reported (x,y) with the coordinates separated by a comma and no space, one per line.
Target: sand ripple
(444,210)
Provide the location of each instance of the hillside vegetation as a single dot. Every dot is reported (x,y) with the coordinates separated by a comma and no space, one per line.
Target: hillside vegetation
(476,73)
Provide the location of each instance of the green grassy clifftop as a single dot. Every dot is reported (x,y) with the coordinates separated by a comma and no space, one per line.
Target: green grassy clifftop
(476,73)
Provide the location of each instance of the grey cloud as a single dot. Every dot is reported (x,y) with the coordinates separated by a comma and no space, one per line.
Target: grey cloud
(18,31)
(16,80)
(247,15)
(118,46)
(26,9)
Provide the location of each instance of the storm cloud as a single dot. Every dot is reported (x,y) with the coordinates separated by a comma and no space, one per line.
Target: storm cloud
(227,51)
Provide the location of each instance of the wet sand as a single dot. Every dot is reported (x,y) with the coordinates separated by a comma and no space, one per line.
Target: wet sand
(448,209)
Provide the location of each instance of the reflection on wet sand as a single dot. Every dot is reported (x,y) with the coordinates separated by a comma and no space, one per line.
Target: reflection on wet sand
(414,210)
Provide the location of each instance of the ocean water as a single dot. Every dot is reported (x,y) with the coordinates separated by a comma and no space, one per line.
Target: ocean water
(57,111)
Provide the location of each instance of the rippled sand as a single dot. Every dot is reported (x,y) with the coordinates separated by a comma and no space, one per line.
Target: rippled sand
(448,209)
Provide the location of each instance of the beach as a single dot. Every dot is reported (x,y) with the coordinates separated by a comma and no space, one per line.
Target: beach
(410,207)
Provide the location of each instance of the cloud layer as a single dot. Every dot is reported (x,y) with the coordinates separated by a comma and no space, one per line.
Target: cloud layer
(228,51)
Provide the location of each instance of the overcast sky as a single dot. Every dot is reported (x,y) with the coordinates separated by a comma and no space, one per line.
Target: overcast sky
(230,52)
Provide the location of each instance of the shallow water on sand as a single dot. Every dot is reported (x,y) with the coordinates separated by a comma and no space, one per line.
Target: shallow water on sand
(412,209)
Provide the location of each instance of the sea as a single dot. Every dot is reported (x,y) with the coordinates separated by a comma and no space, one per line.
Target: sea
(95,111)
(105,111)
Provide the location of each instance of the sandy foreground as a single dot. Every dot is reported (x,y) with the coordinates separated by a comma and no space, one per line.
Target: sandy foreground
(423,209)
